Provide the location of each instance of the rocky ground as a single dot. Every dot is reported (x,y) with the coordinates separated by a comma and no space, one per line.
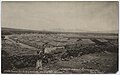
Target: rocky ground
(96,63)
(103,62)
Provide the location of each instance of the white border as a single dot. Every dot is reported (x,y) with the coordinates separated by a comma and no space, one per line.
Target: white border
(118,73)
(59,0)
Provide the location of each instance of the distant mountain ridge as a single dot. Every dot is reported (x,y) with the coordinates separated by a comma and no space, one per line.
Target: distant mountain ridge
(83,31)
(56,30)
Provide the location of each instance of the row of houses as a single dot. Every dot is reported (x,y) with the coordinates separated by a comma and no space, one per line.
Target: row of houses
(61,46)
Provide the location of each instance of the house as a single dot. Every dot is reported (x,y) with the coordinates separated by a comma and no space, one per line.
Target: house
(57,44)
(85,42)
(102,40)
(54,49)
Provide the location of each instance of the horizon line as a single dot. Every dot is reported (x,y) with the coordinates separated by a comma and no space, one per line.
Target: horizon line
(64,31)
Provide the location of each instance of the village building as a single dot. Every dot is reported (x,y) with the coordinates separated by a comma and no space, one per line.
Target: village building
(61,39)
(55,47)
(102,40)
(85,42)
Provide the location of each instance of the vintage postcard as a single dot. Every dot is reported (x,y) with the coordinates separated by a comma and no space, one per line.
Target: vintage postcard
(59,37)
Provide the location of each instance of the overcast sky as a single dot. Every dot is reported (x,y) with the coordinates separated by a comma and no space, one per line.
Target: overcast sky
(61,16)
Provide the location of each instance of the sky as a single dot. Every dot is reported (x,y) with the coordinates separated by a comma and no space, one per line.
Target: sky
(61,16)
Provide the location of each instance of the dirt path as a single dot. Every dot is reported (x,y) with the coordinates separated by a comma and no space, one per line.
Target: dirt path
(21,44)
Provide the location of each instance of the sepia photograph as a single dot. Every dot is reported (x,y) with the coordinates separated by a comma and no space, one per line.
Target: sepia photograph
(59,37)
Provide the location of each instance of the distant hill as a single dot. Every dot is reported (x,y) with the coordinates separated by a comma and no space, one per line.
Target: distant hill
(20,31)
(5,30)
(82,31)
(12,29)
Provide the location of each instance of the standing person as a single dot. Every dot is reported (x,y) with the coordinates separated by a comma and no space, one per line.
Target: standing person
(43,47)
(39,63)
